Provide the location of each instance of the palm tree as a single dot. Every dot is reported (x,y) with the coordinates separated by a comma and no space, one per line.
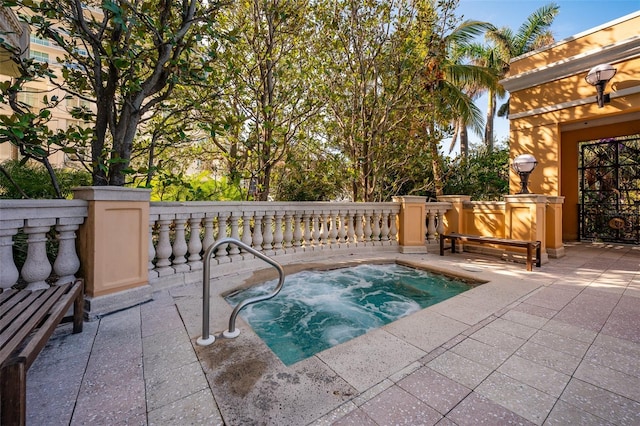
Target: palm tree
(446,78)
(533,34)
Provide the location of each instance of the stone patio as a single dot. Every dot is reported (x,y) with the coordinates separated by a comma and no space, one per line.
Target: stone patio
(560,345)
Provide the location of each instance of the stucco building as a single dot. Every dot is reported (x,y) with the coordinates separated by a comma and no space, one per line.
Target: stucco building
(588,153)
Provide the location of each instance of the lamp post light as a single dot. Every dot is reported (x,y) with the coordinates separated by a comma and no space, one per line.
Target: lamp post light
(599,76)
(524,164)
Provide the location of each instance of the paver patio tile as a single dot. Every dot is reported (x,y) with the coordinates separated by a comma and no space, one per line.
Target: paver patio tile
(566,414)
(571,331)
(548,357)
(434,389)
(609,357)
(526,318)
(560,343)
(624,321)
(535,310)
(498,339)
(355,418)
(396,406)
(480,352)
(475,410)
(175,384)
(513,328)
(609,379)
(160,319)
(460,369)
(536,375)
(589,310)
(551,298)
(622,346)
(522,399)
(196,409)
(601,403)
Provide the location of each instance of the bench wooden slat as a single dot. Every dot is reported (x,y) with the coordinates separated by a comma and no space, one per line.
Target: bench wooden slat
(6,294)
(40,337)
(14,306)
(30,318)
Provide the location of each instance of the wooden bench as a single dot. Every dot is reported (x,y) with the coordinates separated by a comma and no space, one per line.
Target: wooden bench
(27,320)
(529,245)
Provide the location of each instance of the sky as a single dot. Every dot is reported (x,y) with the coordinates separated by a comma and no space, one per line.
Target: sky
(574,17)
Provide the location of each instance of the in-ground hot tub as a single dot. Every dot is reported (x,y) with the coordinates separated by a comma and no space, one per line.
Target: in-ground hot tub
(318,309)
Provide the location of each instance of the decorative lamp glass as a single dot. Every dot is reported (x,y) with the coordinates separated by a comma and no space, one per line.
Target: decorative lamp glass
(599,76)
(524,164)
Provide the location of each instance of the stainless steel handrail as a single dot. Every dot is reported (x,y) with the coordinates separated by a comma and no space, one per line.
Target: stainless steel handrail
(206,338)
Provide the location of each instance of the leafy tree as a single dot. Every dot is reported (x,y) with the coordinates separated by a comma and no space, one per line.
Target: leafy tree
(483,174)
(270,65)
(32,180)
(370,68)
(27,127)
(445,78)
(125,58)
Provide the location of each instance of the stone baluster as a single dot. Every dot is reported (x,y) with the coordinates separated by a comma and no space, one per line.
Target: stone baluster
(288,232)
(351,234)
(179,244)
(367,227)
(393,232)
(208,240)
(234,250)
(277,234)
(10,273)
(333,227)
(431,225)
(163,249)
(195,244)
(440,222)
(359,236)
(36,268)
(67,262)
(342,230)
(247,238)
(267,234)
(324,231)
(221,251)
(152,249)
(257,231)
(306,218)
(297,231)
(316,229)
(385,226)
(376,227)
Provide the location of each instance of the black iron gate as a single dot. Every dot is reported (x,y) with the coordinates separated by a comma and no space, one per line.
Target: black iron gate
(610,190)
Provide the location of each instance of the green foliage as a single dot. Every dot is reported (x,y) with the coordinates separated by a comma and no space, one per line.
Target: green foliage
(319,179)
(200,187)
(33,179)
(483,174)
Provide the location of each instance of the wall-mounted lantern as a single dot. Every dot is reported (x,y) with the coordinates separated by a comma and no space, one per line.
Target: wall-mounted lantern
(524,164)
(599,76)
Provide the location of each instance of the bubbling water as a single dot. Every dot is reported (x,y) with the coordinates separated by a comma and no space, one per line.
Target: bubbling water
(316,310)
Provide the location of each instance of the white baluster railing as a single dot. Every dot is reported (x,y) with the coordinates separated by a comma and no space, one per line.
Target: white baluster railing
(42,229)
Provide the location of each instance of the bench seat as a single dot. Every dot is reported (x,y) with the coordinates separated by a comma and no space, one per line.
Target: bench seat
(27,320)
(529,245)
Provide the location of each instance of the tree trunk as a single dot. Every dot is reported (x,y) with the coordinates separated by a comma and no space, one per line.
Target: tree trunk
(491,113)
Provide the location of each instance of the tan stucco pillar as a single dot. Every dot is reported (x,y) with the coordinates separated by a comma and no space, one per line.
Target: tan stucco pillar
(525,219)
(113,248)
(555,247)
(454,218)
(411,224)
